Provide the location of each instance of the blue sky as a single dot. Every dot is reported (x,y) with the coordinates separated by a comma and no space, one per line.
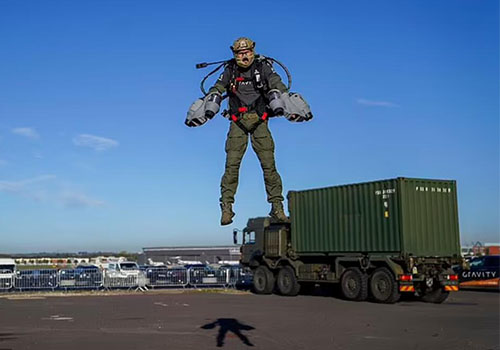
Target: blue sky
(94,154)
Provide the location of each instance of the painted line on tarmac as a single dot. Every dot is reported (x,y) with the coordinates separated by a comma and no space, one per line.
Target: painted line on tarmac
(58,318)
(161,304)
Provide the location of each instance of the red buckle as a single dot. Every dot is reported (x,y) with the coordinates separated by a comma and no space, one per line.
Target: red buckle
(234,118)
(264,116)
(240,79)
(243,109)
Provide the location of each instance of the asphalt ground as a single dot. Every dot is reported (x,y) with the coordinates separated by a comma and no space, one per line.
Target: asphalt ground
(240,320)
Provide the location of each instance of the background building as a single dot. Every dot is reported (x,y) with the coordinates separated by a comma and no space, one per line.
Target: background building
(190,255)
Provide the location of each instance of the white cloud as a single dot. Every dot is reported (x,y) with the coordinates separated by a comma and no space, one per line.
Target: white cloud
(98,143)
(38,189)
(365,102)
(79,200)
(29,188)
(26,132)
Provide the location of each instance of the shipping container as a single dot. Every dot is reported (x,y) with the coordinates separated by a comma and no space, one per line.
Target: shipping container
(399,216)
(493,250)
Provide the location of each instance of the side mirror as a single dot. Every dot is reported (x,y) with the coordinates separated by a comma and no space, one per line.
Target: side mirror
(235,236)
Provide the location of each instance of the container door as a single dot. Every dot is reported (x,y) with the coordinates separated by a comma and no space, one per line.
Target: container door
(430,217)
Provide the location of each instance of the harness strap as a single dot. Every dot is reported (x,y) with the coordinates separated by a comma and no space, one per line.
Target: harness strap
(238,122)
(255,77)
(258,105)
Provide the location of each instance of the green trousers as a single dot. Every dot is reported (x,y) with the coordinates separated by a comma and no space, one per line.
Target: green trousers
(263,145)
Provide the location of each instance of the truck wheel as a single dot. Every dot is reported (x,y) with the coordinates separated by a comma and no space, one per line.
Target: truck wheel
(354,284)
(287,282)
(263,280)
(383,286)
(436,296)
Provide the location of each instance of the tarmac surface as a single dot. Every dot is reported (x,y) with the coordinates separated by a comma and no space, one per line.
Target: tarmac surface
(240,320)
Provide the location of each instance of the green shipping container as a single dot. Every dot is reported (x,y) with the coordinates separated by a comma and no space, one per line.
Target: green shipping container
(402,216)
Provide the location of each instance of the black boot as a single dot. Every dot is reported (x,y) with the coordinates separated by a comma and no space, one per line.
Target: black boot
(226,213)
(277,211)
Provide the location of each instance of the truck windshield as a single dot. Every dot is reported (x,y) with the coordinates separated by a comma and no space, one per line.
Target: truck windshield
(7,268)
(249,238)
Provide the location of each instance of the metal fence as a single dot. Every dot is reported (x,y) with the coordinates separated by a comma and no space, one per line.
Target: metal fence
(36,279)
(245,278)
(119,280)
(6,280)
(150,277)
(240,277)
(203,277)
(80,278)
(159,276)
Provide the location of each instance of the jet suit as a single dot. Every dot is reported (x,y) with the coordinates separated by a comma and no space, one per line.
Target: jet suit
(246,88)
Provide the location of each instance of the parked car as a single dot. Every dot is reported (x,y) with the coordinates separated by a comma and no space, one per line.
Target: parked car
(7,272)
(202,275)
(83,276)
(162,275)
(125,274)
(245,279)
(189,266)
(145,267)
(36,279)
(125,268)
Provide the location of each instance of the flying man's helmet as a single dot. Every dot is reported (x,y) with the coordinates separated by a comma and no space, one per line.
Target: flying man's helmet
(243,51)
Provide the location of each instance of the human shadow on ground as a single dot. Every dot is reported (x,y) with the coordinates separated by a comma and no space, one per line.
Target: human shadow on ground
(229,325)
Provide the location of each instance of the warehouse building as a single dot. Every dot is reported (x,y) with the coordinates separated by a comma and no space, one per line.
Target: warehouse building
(190,255)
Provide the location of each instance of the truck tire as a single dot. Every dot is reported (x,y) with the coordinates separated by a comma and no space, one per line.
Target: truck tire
(383,286)
(436,296)
(263,280)
(287,282)
(354,284)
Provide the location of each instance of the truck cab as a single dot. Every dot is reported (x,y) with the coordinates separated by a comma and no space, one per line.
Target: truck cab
(252,243)
(264,237)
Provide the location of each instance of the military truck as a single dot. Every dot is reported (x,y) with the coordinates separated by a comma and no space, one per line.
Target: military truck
(374,240)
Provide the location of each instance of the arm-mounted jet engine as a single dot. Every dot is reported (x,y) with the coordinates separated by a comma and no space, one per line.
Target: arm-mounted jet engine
(296,108)
(203,109)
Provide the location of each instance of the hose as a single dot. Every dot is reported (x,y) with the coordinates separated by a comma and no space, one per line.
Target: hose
(288,75)
(209,74)
(224,63)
